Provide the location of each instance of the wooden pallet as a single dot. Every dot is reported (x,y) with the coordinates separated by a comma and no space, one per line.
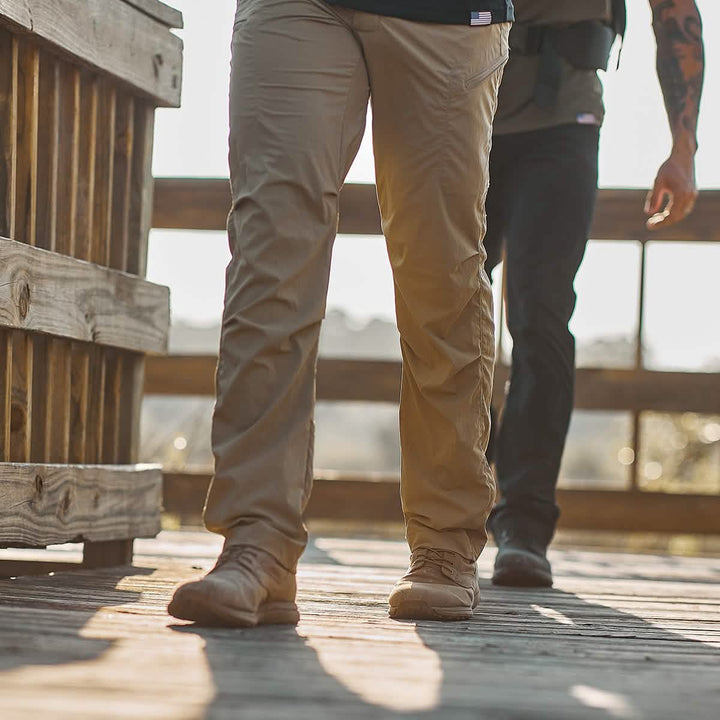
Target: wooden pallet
(79,84)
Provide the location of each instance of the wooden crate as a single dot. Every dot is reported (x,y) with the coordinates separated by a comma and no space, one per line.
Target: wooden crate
(79,84)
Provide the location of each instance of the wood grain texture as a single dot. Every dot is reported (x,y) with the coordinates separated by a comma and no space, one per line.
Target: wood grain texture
(21,410)
(79,403)
(371,498)
(17,13)
(121,180)
(110,452)
(6,373)
(28,79)
(8,131)
(113,37)
(70,298)
(203,204)
(49,151)
(68,117)
(96,405)
(104,173)
(160,11)
(45,504)
(620,637)
(141,190)
(57,418)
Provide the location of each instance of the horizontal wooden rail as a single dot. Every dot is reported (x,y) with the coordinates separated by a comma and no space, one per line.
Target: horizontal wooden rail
(42,505)
(368,498)
(113,37)
(379,381)
(73,299)
(203,204)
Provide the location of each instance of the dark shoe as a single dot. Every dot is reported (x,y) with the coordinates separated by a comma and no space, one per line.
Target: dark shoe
(440,585)
(520,561)
(246,587)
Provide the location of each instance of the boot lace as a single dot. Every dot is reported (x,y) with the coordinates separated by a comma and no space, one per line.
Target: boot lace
(443,560)
(244,556)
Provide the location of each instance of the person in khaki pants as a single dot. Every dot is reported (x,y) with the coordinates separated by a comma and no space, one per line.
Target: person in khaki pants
(302,74)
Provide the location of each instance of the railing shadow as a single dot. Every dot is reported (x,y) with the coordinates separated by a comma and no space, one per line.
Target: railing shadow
(535,655)
(53,610)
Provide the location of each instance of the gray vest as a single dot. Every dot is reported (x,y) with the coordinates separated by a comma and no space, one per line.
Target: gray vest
(580,32)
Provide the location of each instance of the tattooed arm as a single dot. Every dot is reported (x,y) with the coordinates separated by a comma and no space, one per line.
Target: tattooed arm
(680,68)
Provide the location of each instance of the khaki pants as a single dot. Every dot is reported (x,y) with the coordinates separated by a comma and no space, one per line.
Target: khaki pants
(302,73)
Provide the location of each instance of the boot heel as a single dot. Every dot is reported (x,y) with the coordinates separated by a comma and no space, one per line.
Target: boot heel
(278,613)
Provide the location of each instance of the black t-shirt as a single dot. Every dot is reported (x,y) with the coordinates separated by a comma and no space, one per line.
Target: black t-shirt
(451,12)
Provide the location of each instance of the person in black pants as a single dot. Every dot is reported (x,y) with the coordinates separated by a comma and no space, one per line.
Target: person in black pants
(543,171)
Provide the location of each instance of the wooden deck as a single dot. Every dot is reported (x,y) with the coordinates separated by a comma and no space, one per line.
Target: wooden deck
(621,636)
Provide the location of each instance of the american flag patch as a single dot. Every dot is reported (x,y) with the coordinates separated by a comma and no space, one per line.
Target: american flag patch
(481,18)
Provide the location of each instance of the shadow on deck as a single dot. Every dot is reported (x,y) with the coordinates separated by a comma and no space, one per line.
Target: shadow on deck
(621,636)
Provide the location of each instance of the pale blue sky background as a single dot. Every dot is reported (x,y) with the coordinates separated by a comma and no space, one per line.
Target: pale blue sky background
(683,294)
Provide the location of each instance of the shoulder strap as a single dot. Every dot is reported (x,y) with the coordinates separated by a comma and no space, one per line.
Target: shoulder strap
(619,24)
(619,17)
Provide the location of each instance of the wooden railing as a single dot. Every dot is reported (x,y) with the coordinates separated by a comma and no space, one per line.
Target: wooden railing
(202,204)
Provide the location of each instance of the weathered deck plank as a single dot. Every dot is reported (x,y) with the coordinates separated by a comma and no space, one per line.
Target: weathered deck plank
(622,636)
(50,293)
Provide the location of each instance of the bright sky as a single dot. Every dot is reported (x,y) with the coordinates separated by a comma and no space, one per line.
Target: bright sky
(682,294)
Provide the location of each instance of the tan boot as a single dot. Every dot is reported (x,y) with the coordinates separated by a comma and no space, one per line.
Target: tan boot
(246,587)
(440,585)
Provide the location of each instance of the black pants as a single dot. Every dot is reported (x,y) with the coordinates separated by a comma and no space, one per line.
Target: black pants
(540,204)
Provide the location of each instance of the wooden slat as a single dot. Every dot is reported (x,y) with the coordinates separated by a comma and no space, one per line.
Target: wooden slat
(111,407)
(57,419)
(376,498)
(379,381)
(113,37)
(104,173)
(11,83)
(28,79)
(86,88)
(141,190)
(133,381)
(40,400)
(122,181)
(70,298)
(45,504)
(68,159)
(8,132)
(48,150)
(96,405)
(160,11)
(6,372)
(79,403)
(203,204)
(21,403)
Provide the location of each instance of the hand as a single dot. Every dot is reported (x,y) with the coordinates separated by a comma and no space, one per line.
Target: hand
(674,194)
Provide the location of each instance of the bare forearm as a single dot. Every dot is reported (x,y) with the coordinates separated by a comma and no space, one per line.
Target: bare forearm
(680,66)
